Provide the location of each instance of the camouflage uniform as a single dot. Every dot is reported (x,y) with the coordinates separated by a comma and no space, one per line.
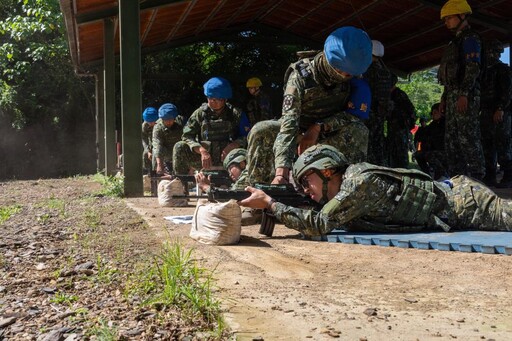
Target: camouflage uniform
(307,100)
(458,72)
(242,182)
(164,139)
(214,133)
(380,80)
(433,150)
(400,122)
(496,141)
(259,108)
(373,198)
(147,145)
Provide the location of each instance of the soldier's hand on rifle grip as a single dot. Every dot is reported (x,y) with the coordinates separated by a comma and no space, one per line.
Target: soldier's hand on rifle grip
(258,199)
(202,181)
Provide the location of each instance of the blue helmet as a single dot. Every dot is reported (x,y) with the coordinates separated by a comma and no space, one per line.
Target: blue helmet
(349,49)
(168,111)
(150,115)
(217,87)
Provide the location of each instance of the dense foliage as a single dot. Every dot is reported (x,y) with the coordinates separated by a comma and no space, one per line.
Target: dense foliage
(46,111)
(423,91)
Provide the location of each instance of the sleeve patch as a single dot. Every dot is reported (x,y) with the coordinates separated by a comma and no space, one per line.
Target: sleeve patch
(287,102)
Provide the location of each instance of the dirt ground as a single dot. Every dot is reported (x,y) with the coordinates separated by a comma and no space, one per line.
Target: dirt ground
(279,288)
(286,288)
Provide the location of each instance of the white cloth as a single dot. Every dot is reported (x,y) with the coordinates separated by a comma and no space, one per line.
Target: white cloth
(180,219)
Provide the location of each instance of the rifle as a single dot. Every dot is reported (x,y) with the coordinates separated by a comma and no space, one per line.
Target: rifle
(218,177)
(284,193)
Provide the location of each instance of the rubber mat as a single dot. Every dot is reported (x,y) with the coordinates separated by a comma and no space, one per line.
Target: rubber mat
(463,241)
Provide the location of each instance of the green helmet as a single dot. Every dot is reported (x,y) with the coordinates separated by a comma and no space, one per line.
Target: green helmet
(235,156)
(320,156)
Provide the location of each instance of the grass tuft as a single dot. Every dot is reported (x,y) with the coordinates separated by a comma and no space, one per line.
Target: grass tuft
(175,280)
(6,212)
(113,186)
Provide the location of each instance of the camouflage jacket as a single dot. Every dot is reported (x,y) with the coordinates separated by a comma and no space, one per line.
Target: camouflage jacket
(460,65)
(259,108)
(242,181)
(194,134)
(147,137)
(305,102)
(496,90)
(403,115)
(380,80)
(165,138)
(369,199)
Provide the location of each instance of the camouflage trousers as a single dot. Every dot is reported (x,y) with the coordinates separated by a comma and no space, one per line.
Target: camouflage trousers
(437,163)
(351,140)
(496,141)
(147,164)
(186,161)
(165,155)
(475,206)
(376,140)
(397,148)
(462,138)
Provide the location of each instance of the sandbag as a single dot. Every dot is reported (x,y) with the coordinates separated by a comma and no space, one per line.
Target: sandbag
(169,188)
(216,223)
(146,183)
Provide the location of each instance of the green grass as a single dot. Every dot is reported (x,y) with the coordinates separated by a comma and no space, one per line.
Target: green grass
(175,280)
(6,212)
(55,204)
(92,218)
(105,274)
(63,298)
(103,331)
(113,186)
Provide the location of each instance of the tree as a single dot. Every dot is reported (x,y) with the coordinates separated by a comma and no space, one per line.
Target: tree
(45,106)
(423,91)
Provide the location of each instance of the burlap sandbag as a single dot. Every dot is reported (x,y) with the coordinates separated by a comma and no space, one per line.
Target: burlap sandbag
(216,223)
(169,188)
(146,183)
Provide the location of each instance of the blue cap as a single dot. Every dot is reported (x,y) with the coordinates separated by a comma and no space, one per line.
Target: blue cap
(360,98)
(349,49)
(217,87)
(168,111)
(150,115)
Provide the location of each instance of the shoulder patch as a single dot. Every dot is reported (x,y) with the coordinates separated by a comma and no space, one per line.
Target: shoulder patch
(287,102)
